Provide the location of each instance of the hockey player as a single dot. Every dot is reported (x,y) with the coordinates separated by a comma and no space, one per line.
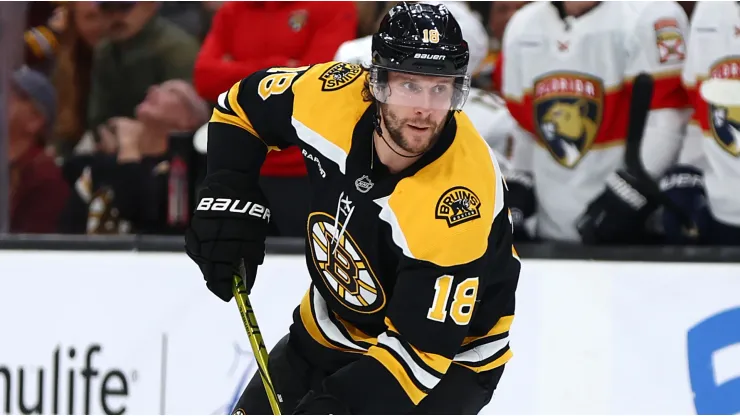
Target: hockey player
(703,183)
(408,241)
(567,73)
(487,111)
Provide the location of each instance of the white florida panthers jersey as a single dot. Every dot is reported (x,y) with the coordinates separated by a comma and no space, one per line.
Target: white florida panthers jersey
(714,52)
(567,83)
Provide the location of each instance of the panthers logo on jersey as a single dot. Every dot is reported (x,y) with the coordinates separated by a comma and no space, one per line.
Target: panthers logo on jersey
(568,111)
(342,264)
(724,122)
(297,20)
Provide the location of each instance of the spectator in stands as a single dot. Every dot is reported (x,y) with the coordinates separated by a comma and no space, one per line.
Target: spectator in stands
(45,23)
(37,191)
(193,17)
(248,36)
(83,30)
(489,75)
(142,49)
(143,187)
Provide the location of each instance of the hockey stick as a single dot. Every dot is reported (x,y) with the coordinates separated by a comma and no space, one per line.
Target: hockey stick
(255,337)
(642,94)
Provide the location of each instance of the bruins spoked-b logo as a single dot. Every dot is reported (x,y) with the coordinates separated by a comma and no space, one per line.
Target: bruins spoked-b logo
(458,205)
(339,75)
(724,122)
(568,109)
(343,266)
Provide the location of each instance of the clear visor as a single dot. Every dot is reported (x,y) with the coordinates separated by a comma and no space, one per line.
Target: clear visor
(419,90)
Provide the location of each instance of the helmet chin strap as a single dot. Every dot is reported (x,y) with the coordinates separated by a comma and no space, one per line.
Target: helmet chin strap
(379,131)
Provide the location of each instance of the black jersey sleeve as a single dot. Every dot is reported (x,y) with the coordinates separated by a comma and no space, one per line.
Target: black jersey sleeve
(252,118)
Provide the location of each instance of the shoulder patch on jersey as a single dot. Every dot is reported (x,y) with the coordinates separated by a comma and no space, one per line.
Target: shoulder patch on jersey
(670,42)
(325,113)
(458,205)
(339,76)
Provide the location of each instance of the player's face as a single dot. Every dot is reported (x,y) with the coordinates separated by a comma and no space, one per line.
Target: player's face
(416,109)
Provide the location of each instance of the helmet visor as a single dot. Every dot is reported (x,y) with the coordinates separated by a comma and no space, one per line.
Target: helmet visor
(419,90)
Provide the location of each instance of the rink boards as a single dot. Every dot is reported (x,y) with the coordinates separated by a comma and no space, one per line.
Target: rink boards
(139,333)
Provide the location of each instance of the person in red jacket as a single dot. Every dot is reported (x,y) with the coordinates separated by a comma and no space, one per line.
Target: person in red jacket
(249,36)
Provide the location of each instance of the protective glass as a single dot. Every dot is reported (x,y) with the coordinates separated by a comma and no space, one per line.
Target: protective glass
(419,90)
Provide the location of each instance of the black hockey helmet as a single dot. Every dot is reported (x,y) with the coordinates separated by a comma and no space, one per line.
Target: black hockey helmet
(418,38)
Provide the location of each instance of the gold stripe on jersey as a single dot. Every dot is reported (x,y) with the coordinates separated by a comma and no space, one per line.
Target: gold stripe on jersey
(233,100)
(503,325)
(328,336)
(411,210)
(488,351)
(310,324)
(416,371)
(690,84)
(401,374)
(503,359)
(231,112)
(326,119)
(436,362)
(424,369)
(219,117)
(355,334)
(670,73)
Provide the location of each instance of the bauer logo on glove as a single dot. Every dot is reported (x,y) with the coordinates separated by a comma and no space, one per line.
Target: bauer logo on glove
(234,205)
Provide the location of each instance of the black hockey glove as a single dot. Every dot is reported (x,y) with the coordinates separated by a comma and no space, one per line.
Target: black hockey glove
(521,201)
(685,186)
(320,404)
(618,215)
(229,224)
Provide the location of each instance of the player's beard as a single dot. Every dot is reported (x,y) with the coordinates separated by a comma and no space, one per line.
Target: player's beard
(394,125)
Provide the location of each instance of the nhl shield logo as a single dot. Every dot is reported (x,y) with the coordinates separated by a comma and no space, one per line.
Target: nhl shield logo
(724,122)
(568,111)
(364,184)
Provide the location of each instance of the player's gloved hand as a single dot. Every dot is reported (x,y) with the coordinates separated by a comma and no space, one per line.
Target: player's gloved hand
(521,201)
(320,404)
(229,224)
(619,214)
(685,186)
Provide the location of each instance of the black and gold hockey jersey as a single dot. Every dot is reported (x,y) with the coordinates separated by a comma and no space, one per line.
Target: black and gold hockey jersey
(411,272)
